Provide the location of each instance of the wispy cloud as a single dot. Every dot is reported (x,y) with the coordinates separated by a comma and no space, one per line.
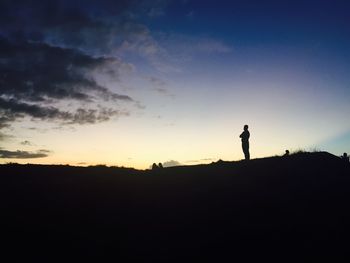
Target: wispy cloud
(203,160)
(4,136)
(191,45)
(159,85)
(190,15)
(170,51)
(156,12)
(26,143)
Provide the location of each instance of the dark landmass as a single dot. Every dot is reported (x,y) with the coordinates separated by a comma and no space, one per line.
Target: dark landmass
(293,208)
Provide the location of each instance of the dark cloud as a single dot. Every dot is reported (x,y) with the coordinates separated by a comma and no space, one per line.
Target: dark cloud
(55,54)
(32,14)
(6,118)
(94,26)
(18,109)
(34,75)
(39,72)
(5,154)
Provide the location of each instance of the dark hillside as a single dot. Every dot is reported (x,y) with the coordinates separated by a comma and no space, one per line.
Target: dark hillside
(283,208)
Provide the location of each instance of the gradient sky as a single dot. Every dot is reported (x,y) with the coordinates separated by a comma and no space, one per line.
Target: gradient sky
(129,83)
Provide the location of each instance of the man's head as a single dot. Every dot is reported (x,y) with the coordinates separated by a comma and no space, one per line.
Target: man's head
(246,127)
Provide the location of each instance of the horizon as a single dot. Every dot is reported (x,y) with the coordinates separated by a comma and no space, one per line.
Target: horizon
(172,163)
(131,83)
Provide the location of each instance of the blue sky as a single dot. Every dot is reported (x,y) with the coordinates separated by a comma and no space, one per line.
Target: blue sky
(136,82)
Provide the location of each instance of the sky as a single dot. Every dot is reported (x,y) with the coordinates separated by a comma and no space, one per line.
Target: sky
(129,83)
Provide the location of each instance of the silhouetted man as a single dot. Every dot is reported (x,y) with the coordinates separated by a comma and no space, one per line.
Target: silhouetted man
(345,157)
(245,142)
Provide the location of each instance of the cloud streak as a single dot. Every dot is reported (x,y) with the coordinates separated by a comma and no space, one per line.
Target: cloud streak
(14,109)
(4,136)
(5,154)
(159,85)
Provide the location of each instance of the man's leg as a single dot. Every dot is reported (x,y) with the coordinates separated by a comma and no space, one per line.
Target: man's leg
(247,154)
(245,147)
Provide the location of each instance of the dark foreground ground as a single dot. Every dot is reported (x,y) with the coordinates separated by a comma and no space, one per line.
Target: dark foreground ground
(287,209)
